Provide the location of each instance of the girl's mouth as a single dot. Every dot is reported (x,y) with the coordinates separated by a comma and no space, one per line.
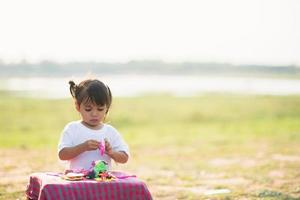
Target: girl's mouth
(94,120)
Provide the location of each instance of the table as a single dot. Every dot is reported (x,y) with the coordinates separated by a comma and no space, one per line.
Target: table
(50,186)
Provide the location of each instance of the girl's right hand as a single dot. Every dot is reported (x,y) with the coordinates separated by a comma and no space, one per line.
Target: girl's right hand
(91,145)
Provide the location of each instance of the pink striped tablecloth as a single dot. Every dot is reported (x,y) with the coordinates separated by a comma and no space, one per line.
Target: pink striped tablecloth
(50,186)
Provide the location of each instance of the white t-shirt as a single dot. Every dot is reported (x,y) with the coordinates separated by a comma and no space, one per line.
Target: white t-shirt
(76,133)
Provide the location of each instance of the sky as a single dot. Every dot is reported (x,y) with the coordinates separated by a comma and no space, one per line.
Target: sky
(232,31)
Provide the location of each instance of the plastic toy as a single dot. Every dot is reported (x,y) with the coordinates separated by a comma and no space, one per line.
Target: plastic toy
(102,147)
(98,167)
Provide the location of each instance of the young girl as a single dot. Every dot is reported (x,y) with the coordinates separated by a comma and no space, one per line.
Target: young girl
(80,140)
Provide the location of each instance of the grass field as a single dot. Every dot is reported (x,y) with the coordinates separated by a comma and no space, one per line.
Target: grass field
(182,147)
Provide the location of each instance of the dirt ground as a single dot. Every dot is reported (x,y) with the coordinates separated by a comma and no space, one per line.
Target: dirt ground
(163,183)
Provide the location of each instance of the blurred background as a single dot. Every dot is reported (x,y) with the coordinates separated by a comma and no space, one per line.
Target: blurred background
(206,93)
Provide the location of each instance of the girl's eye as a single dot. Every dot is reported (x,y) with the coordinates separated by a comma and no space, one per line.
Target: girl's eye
(100,109)
(87,110)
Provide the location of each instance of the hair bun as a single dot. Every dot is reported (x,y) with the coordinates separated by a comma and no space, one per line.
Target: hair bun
(73,88)
(71,83)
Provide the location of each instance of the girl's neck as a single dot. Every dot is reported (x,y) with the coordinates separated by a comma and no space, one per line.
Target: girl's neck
(98,127)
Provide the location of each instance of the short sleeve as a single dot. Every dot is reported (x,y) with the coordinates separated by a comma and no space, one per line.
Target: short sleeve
(118,143)
(65,139)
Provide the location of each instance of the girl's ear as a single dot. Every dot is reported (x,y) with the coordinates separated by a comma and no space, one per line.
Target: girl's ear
(77,106)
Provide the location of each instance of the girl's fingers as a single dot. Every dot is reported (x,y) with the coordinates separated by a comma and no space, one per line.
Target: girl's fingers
(92,144)
(95,142)
(107,145)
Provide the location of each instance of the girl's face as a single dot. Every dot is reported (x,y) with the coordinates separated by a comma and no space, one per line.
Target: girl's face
(92,115)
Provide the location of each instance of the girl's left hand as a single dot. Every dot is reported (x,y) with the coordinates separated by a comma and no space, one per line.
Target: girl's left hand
(108,148)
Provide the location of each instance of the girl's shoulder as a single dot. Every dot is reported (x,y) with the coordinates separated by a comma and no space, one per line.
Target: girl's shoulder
(109,128)
(73,125)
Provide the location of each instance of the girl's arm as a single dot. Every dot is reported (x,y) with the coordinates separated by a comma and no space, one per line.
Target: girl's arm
(118,156)
(68,153)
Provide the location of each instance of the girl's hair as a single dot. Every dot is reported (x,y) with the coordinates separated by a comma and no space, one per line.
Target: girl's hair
(91,91)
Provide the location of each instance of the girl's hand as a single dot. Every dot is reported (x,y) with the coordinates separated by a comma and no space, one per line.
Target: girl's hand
(90,145)
(108,148)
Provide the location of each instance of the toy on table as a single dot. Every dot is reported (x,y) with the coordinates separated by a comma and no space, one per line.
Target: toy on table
(99,172)
(102,147)
(73,176)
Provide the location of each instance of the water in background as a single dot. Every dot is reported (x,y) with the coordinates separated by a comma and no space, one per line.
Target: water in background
(132,85)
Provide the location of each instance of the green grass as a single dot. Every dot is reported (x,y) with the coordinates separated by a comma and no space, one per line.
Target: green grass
(179,145)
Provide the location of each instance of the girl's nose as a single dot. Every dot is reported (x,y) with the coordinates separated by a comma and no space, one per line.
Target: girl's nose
(94,112)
